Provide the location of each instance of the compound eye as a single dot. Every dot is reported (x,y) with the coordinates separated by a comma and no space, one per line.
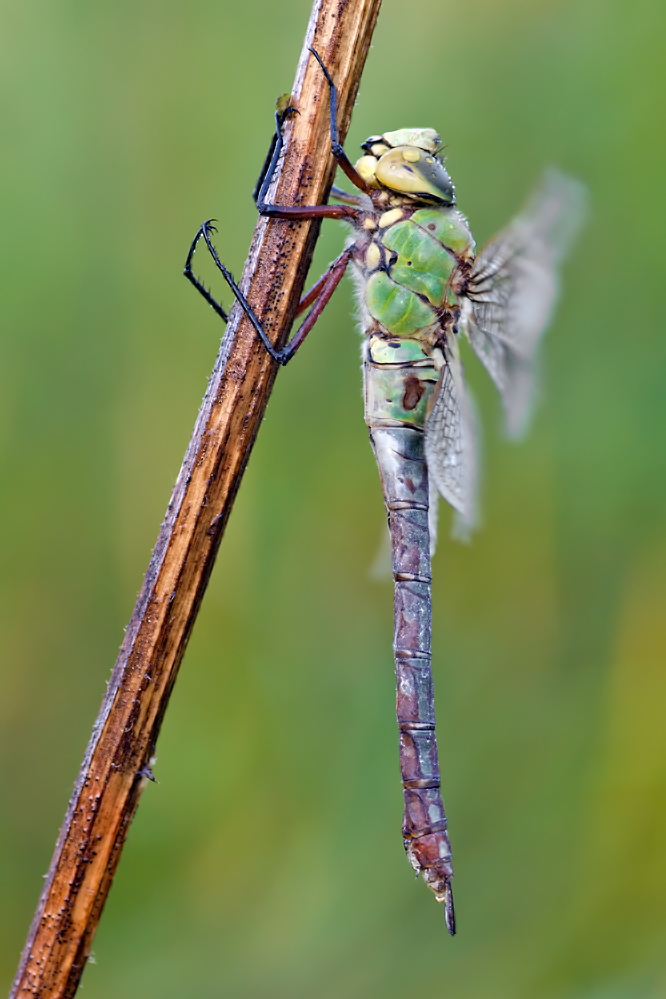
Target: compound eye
(409,170)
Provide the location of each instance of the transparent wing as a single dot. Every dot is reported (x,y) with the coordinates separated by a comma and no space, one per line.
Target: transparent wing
(450,446)
(514,376)
(513,287)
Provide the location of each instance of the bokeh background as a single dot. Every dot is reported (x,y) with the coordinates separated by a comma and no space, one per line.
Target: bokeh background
(268,860)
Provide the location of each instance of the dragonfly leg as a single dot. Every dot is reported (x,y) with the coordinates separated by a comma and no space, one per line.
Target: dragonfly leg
(322,283)
(269,165)
(318,296)
(191,276)
(271,162)
(291,211)
(346,197)
(339,154)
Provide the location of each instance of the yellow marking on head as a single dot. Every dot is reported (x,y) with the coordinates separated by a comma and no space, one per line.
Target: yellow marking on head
(366,167)
(388,218)
(411,155)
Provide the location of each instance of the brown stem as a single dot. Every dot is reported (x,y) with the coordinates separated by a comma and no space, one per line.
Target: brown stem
(124,736)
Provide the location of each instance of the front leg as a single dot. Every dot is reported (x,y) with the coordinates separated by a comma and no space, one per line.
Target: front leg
(309,211)
(288,211)
(340,155)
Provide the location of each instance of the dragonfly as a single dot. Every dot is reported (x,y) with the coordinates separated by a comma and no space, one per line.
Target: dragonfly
(421,285)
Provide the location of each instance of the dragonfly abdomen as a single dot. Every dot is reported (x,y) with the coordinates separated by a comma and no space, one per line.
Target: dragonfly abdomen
(399,381)
(404,476)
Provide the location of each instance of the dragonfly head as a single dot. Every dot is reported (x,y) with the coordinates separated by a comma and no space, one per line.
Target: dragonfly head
(405,162)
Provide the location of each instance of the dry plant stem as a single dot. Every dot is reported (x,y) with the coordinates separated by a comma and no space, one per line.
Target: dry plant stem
(117,761)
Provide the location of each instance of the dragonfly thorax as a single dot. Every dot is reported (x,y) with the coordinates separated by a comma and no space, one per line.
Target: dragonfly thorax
(404,161)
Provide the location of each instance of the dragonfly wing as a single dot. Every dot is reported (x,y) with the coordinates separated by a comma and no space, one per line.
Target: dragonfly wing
(450,441)
(513,287)
(514,376)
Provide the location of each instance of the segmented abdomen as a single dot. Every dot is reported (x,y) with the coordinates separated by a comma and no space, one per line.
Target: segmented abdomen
(399,379)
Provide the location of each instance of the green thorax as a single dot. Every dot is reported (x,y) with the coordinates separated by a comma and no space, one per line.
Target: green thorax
(409,264)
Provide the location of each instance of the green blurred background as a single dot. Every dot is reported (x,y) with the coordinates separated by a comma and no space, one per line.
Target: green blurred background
(268,860)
